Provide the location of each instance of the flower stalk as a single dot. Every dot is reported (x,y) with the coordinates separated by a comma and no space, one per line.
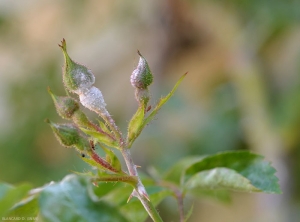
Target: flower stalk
(139,189)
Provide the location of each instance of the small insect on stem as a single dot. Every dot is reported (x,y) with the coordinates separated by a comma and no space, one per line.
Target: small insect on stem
(148,108)
(92,144)
(83,155)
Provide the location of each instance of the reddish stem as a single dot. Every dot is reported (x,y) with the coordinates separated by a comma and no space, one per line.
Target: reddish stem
(102,162)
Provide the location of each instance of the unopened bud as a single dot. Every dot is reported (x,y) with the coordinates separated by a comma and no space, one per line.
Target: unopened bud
(68,135)
(76,77)
(65,106)
(141,77)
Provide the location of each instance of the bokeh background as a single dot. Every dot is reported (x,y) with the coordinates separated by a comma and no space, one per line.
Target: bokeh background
(242,90)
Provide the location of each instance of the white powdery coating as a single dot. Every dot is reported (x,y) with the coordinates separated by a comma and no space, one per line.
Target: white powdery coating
(92,99)
(84,80)
(135,76)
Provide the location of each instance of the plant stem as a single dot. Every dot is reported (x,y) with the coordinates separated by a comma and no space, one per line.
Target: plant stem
(113,127)
(178,195)
(117,178)
(102,162)
(150,209)
(139,191)
(180,205)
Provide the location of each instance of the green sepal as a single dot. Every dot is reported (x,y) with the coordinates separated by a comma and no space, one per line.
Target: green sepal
(101,137)
(135,124)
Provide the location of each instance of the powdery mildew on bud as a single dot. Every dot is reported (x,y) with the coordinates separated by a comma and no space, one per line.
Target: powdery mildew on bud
(83,78)
(92,99)
(76,77)
(135,77)
(141,77)
(142,94)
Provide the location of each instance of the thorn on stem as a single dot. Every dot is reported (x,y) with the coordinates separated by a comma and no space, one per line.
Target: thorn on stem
(129,198)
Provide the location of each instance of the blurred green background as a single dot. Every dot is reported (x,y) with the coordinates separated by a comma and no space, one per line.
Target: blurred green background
(242,90)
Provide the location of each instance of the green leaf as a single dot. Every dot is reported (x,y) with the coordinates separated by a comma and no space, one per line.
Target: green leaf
(104,127)
(162,101)
(176,173)
(25,208)
(220,178)
(114,194)
(112,159)
(134,210)
(86,174)
(69,200)
(223,196)
(119,196)
(249,165)
(10,195)
(135,124)
(93,163)
(101,137)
